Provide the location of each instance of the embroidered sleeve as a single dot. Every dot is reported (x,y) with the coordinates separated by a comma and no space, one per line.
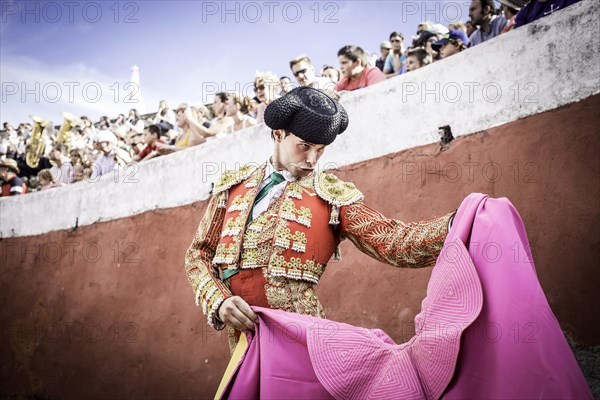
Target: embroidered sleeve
(406,245)
(209,289)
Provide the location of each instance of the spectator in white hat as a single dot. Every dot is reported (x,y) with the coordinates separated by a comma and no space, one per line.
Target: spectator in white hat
(384,48)
(106,161)
(12,184)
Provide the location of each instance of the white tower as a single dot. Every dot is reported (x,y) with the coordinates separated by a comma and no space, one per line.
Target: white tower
(133,91)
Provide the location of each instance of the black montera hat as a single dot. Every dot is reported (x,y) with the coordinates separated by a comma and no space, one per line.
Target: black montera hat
(309,114)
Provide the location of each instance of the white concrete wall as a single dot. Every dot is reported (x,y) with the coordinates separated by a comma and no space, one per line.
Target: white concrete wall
(542,66)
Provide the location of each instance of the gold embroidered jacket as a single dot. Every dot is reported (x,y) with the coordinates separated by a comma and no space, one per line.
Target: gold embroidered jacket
(295,238)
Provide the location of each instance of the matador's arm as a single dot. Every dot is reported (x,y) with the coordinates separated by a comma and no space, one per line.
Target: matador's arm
(209,289)
(407,245)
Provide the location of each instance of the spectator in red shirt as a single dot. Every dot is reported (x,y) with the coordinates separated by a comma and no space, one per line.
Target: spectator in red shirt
(12,185)
(151,138)
(356,73)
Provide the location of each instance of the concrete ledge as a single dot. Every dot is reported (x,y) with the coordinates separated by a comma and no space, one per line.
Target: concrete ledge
(540,67)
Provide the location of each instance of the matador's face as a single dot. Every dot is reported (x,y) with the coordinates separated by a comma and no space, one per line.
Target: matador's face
(297,156)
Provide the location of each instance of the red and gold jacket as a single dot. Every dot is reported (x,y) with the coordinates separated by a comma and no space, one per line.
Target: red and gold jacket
(296,237)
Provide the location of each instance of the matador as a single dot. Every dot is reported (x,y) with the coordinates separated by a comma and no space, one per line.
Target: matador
(269,230)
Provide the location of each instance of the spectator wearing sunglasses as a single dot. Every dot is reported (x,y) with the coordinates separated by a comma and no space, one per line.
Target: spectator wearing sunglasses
(385,48)
(395,63)
(304,72)
(266,87)
(451,43)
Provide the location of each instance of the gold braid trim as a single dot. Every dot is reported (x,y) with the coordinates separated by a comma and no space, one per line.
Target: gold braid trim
(406,245)
(337,193)
(233,177)
(209,290)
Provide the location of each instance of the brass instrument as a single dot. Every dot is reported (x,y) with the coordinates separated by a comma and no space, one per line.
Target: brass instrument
(64,134)
(37,146)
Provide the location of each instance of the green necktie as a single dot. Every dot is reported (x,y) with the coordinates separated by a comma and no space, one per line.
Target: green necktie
(276,178)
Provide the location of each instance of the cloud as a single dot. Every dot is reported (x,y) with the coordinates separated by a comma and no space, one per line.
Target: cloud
(31,87)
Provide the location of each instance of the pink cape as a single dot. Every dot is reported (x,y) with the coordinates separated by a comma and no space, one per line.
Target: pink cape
(485,330)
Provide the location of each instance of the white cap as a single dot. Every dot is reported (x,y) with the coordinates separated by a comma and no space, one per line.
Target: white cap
(106,136)
(439,28)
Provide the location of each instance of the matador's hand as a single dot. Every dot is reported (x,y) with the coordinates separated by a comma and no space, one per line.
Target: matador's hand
(236,313)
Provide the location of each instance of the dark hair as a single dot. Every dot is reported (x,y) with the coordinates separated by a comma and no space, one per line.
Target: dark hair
(285,77)
(155,130)
(328,67)
(353,53)
(421,54)
(286,134)
(424,36)
(491,4)
(223,96)
(397,34)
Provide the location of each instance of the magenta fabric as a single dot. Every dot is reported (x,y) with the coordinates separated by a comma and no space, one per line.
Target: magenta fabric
(485,330)
(515,348)
(277,364)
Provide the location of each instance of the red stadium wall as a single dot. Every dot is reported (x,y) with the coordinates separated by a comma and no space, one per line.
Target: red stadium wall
(105,311)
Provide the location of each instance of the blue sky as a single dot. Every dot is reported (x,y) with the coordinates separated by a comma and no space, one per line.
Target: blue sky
(50,51)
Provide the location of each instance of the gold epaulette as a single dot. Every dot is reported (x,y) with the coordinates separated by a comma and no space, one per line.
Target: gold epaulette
(233,177)
(335,191)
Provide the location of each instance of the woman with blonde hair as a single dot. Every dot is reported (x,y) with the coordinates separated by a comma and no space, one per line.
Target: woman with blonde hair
(266,87)
(237,108)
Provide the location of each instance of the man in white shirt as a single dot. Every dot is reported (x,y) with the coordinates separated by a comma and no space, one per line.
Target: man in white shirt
(61,170)
(106,161)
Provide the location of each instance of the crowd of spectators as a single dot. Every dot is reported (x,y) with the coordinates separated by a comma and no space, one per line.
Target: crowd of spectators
(90,150)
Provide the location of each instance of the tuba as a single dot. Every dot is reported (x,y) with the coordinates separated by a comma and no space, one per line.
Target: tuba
(64,134)
(37,146)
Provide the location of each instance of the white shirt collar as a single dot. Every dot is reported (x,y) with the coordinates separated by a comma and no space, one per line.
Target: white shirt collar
(287,175)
